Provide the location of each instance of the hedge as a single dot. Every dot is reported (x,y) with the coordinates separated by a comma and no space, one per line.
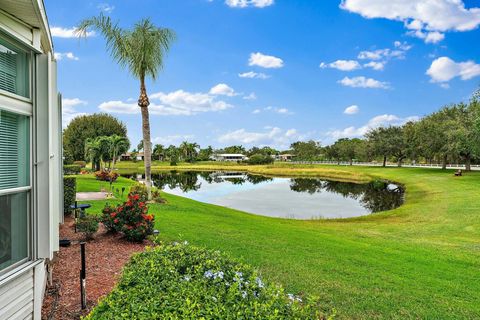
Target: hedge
(180,281)
(71,169)
(69,192)
(260,159)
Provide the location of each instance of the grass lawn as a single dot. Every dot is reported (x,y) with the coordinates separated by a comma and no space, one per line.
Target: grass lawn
(419,261)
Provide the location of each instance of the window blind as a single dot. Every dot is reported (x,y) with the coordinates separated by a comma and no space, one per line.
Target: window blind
(8,70)
(14,150)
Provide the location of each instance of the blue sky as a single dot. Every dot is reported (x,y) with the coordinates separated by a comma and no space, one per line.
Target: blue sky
(270,72)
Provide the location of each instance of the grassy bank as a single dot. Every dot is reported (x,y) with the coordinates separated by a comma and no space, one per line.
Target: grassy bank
(418,261)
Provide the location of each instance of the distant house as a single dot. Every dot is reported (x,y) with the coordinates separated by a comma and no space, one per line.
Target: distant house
(31,182)
(284,157)
(127,156)
(233,157)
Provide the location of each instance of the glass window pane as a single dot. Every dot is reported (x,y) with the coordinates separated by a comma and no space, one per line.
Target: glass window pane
(13,228)
(14,150)
(14,70)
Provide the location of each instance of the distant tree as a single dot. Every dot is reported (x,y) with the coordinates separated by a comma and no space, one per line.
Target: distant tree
(159,151)
(348,149)
(141,50)
(233,149)
(140,145)
(188,151)
(306,150)
(379,143)
(172,154)
(92,152)
(89,127)
(205,154)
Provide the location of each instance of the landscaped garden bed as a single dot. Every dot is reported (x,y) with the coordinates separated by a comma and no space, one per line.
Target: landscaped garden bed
(105,256)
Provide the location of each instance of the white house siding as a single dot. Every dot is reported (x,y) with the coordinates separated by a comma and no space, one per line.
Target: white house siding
(16,296)
(22,289)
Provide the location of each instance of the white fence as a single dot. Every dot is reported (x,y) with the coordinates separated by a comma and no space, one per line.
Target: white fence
(390,164)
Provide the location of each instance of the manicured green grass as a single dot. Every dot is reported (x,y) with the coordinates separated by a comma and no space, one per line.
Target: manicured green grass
(419,261)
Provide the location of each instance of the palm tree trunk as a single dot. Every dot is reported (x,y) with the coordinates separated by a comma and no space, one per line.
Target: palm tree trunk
(143,103)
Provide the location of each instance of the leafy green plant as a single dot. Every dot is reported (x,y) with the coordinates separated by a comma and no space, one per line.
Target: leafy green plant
(110,220)
(260,159)
(180,281)
(71,169)
(141,190)
(69,193)
(106,175)
(82,164)
(88,225)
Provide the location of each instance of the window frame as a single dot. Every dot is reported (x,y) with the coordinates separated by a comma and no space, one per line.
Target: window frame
(23,106)
(30,56)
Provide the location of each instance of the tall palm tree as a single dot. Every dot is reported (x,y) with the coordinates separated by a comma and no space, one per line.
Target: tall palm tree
(141,50)
(119,145)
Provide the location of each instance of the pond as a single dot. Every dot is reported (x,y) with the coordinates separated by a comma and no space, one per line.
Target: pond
(293,198)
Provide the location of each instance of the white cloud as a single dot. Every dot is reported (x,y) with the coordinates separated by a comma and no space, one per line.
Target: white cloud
(253,75)
(69,111)
(428,37)
(105,7)
(353,109)
(275,137)
(264,61)
(444,69)
(251,96)
(173,139)
(249,3)
(66,55)
(222,89)
(179,102)
(375,65)
(344,65)
(375,122)
(273,109)
(362,82)
(426,16)
(60,32)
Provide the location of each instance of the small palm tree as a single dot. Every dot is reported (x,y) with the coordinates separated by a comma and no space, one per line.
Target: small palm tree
(142,51)
(119,145)
(92,153)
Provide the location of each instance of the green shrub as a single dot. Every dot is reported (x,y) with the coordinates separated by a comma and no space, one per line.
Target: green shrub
(110,220)
(88,225)
(260,159)
(69,193)
(141,190)
(131,218)
(180,281)
(71,169)
(82,164)
(106,175)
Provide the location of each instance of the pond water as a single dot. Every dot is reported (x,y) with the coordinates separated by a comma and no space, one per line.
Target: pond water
(294,198)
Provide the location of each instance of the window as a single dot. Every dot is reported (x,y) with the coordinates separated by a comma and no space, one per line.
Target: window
(14,188)
(14,69)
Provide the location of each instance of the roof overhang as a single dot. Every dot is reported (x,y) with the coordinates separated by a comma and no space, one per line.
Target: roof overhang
(31,13)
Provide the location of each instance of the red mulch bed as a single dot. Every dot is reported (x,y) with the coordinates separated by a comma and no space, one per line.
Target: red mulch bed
(105,257)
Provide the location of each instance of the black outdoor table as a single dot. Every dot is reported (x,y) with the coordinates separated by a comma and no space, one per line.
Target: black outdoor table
(82,208)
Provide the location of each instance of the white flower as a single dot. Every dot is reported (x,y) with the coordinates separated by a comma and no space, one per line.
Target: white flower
(214,299)
(244,294)
(185,242)
(187,278)
(260,283)
(208,274)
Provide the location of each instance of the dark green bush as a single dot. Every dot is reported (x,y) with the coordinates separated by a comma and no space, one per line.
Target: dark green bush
(82,164)
(69,193)
(71,169)
(141,190)
(180,281)
(260,159)
(88,225)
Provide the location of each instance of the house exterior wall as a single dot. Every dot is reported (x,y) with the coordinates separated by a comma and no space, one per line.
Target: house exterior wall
(22,285)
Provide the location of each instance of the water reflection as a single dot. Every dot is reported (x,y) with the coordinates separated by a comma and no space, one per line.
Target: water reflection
(300,198)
